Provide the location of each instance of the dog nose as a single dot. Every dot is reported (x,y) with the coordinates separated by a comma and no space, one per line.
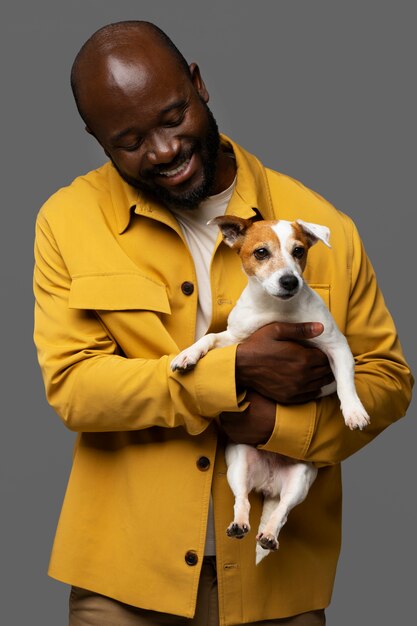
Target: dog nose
(289,282)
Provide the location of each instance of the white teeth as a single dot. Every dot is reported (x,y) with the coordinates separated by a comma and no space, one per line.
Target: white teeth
(177,170)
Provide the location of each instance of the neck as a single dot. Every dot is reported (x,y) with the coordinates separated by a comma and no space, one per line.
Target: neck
(225,171)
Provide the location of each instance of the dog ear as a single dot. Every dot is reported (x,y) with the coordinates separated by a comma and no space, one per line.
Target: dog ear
(233,229)
(315,232)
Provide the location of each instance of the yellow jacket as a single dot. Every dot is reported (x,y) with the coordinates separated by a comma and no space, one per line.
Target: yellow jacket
(110,315)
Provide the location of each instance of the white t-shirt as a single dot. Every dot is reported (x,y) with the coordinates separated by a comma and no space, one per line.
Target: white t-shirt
(201,240)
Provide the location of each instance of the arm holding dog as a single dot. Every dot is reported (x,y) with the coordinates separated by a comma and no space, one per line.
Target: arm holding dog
(275,367)
(91,379)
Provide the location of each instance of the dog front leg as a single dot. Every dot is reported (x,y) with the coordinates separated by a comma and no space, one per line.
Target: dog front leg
(188,358)
(343,367)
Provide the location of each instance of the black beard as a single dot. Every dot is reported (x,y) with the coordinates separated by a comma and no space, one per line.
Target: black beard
(208,147)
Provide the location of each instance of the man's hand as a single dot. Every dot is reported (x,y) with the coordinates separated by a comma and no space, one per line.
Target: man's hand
(276,363)
(255,424)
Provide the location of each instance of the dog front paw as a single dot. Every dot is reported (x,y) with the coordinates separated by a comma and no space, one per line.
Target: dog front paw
(237,530)
(267,541)
(356,416)
(186,360)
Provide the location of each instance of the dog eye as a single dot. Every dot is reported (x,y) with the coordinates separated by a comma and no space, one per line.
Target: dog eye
(298,252)
(261,253)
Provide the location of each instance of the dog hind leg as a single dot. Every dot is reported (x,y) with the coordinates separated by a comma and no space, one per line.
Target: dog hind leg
(296,479)
(238,479)
(270,504)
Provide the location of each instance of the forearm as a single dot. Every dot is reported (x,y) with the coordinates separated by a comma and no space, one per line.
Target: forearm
(112,393)
(316,431)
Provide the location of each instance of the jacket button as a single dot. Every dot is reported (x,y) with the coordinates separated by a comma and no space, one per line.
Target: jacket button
(203,463)
(187,288)
(191,557)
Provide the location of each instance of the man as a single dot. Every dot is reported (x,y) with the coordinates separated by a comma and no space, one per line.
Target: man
(128,274)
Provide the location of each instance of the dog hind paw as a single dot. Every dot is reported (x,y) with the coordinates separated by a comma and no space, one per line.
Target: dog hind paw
(267,541)
(237,530)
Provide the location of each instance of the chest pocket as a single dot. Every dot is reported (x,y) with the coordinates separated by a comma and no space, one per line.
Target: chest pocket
(118,292)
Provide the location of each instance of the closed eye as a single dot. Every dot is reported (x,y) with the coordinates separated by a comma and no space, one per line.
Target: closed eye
(174,114)
(176,121)
(261,254)
(131,148)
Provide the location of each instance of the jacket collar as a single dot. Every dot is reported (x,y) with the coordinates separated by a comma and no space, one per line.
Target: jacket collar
(251,195)
(124,197)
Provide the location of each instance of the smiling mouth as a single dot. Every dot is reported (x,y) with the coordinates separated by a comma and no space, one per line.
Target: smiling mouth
(174,171)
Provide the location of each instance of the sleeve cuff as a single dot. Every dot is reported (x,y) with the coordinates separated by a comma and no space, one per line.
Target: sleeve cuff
(215,382)
(294,427)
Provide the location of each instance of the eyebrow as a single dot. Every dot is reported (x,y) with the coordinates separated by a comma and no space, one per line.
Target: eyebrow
(174,105)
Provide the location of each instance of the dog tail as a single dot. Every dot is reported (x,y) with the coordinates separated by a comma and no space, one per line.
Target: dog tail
(261,553)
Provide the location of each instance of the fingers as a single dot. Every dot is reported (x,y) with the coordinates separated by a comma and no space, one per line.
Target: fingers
(297,332)
(255,424)
(286,331)
(314,385)
(278,363)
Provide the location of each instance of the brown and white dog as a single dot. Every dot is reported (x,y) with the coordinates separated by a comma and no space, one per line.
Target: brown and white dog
(273,255)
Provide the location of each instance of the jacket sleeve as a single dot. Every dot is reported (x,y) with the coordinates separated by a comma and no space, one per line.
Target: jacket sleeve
(93,386)
(316,431)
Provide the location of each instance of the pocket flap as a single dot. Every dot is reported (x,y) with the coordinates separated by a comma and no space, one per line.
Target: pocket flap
(118,292)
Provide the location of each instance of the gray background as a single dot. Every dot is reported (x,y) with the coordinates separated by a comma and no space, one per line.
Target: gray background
(322,90)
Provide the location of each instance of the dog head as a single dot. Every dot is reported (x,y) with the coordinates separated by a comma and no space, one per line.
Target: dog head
(273,252)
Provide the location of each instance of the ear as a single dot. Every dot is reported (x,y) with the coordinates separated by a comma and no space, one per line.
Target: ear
(90,132)
(315,232)
(233,229)
(198,82)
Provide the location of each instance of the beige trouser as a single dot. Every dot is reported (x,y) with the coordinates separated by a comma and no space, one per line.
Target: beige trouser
(91,609)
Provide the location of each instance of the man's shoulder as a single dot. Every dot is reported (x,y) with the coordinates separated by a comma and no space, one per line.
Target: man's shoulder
(88,188)
(293,199)
(292,188)
(286,196)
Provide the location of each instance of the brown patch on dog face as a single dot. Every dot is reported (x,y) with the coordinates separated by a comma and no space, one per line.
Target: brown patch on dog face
(302,235)
(261,252)
(301,239)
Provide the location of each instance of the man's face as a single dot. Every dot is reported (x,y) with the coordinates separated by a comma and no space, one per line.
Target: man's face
(157,129)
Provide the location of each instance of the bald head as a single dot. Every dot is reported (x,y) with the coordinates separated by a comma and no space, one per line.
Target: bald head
(148,110)
(117,45)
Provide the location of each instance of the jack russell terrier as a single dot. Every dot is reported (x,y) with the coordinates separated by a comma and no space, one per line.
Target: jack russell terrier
(274,255)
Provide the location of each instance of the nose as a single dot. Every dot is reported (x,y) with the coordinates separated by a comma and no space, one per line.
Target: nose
(162,148)
(289,282)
